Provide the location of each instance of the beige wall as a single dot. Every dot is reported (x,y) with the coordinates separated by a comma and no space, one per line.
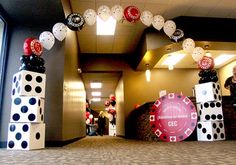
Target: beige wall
(224,73)
(138,91)
(120,128)
(74,96)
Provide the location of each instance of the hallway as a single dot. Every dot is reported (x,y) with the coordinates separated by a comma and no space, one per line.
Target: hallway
(115,150)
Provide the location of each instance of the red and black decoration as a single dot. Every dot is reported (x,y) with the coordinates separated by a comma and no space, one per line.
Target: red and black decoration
(32,60)
(173,117)
(206,63)
(207,73)
(75,21)
(32,46)
(178,35)
(132,14)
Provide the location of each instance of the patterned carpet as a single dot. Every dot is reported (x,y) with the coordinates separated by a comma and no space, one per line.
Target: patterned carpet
(115,150)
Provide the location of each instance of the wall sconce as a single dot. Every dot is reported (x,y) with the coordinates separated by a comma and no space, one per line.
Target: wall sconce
(170,67)
(148,73)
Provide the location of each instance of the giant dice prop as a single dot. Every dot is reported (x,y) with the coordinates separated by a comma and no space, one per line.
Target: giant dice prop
(210,111)
(27,83)
(26,136)
(208,92)
(26,128)
(112,129)
(27,109)
(210,131)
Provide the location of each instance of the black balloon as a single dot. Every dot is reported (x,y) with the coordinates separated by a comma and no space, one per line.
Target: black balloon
(34,60)
(26,66)
(113,102)
(214,78)
(75,21)
(213,72)
(24,59)
(201,73)
(178,35)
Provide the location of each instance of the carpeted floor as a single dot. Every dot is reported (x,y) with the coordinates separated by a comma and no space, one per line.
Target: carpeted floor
(114,150)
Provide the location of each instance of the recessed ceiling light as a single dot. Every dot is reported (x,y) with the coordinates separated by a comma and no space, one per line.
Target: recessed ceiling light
(208,54)
(223,58)
(106,27)
(96,85)
(173,59)
(96,93)
(96,99)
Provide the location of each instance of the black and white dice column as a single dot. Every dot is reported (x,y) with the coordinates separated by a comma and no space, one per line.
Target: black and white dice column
(26,129)
(210,116)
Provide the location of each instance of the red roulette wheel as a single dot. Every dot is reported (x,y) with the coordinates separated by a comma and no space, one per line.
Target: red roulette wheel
(173,117)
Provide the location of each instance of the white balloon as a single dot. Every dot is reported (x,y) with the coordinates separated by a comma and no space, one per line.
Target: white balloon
(88,121)
(104,12)
(188,45)
(90,116)
(110,117)
(47,39)
(117,12)
(158,22)
(169,27)
(90,17)
(198,53)
(59,30)
(146,18)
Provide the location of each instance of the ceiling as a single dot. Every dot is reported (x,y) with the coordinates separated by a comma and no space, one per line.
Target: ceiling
(188,62)
(109,82)
(127,35)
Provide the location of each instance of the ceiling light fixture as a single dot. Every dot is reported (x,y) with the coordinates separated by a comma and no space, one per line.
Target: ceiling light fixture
(96,94)
(96,85)
(223,58)
(96,99)
(170,67)
(173,59)
(106,27)
(148,73)
(208,54)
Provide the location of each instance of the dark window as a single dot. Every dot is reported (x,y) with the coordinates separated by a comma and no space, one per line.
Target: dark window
(3,49)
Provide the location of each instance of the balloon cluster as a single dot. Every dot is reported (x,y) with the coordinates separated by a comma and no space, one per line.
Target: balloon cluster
(33,48)
(75,21)
(110,108)
(197,52)
(207,73)
(89,118)
(31,59)
(207,76)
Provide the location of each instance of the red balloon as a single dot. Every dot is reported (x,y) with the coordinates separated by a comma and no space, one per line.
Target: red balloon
(107,103)
(32,46)
(87,115)
(206,63)
(112,97)
(132,14)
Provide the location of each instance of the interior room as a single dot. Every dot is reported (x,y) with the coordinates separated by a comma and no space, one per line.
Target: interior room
(117,82)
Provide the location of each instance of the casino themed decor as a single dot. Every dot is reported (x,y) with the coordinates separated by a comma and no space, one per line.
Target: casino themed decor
(26,129)
(173,117)
(75,21)
(210,116)
(111,110)
(209,103)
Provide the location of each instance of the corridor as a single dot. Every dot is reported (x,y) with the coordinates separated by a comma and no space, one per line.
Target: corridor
(114,150)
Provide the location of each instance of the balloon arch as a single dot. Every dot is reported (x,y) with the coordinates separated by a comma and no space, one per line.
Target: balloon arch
(33,48)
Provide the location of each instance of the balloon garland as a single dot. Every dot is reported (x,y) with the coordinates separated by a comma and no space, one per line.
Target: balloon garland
(111,110)
(132,14)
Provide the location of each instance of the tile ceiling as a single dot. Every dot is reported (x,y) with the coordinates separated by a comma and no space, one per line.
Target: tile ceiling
(127,35)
